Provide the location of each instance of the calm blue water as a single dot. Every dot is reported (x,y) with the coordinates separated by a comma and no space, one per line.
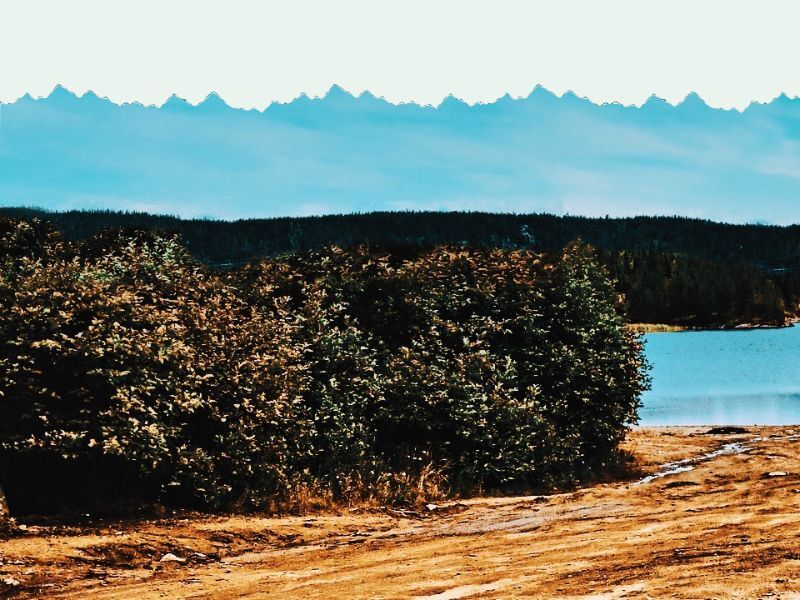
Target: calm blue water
(723,377)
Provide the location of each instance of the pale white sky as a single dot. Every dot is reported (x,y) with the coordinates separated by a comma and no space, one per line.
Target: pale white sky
(252,53)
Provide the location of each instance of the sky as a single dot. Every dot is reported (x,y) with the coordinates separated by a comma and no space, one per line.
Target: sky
(341,154)
(254,53)
(567,147)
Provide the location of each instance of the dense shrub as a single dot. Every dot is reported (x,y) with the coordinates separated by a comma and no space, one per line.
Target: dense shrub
(129,373)
(137,355)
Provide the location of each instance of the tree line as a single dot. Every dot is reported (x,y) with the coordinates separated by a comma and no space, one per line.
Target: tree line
(670,270)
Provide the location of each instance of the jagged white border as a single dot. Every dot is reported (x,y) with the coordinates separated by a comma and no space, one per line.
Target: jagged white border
(335,90)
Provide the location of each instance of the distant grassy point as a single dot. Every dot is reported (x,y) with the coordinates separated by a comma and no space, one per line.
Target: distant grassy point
(665,328)
(655,327)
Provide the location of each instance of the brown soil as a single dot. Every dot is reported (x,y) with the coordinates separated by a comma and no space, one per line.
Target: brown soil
(723,529)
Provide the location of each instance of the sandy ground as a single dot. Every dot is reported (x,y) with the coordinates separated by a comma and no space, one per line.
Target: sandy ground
(724,526)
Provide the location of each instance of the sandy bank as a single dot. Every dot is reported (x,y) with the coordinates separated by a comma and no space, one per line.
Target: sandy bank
(726,526)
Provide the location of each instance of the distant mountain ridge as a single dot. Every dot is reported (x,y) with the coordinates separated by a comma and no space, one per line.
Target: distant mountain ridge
(340,153)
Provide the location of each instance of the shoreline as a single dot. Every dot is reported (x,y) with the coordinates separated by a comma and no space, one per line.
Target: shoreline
(666,328)
(724,520)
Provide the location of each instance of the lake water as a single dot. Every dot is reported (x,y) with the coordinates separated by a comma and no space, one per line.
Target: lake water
(741,377)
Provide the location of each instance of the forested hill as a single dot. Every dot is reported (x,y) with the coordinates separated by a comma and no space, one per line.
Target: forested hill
(217,242)
(672,270)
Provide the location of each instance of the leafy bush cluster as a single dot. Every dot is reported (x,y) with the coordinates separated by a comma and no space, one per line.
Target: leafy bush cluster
(129,373)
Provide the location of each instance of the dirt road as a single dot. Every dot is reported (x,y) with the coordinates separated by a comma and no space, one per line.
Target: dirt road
(725,524)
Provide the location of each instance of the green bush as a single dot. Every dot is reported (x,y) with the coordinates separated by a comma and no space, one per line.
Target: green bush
(129,374)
